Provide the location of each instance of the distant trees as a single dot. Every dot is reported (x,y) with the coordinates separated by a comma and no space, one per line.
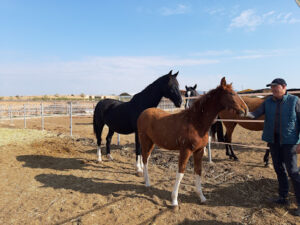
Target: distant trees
(125,94)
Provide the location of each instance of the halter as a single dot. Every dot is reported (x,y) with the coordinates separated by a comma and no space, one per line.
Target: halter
(247,109)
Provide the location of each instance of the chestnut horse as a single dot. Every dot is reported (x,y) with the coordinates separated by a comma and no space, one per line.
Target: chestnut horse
(186,131)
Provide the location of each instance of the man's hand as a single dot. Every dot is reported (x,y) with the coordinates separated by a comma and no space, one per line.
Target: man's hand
(250,115)
(298,149)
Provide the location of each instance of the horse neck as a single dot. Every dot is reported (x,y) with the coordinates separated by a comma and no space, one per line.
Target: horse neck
(150,96)
(205,111)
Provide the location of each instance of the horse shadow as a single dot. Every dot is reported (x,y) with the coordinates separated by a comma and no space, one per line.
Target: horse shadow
(246,194)
(206,222)
(104,187)
(65,164)
(113,147)
(50,162)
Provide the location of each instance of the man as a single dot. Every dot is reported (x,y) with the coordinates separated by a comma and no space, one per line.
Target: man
(281,132)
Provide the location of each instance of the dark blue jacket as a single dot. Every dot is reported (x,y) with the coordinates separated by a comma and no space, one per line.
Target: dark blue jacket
(289,123)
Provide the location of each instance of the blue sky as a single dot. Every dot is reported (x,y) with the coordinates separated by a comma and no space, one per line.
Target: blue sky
(108,47)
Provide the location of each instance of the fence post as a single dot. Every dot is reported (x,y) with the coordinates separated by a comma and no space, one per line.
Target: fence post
(42,115)
(10,116)
(24,116)
(71,119)
(118,136)
(209,149)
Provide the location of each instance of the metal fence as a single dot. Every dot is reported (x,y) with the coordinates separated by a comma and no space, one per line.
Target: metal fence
(26,111)
(52,109)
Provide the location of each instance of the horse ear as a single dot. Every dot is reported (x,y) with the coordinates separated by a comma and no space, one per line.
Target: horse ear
(175,74)
(195,87)
(223,82)
(186,87)
(170,73)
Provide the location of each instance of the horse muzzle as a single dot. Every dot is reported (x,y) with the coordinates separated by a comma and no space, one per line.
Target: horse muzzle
(178,103)
(242,112)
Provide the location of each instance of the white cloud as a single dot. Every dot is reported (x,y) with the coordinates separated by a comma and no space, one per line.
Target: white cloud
(214,53)
(250,20)
(94,75)
(247,19)
(256,54)
(179,9)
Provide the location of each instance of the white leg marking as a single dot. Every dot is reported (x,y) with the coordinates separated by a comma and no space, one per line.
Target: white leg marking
(141,163)
(199,188)
(179,177)
(109,157)
(146,176)
(99,154)
(138,165)
(205,152)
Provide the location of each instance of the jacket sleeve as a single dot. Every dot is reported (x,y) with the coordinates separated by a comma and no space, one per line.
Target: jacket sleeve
(298,111)
(258,112)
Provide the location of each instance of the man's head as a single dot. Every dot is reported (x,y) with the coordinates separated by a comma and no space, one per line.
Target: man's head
(278,87)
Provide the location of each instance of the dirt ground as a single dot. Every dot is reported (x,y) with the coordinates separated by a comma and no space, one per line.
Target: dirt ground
(48,177)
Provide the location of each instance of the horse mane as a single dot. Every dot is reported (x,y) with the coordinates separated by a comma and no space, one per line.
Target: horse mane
(202,99)
(150,87)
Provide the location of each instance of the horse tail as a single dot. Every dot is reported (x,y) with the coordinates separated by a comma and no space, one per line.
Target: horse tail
(217,129)
(98,122)
(220,133)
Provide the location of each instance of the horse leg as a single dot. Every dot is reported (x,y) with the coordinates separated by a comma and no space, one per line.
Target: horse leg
(228,138)
(213,131)
(198,169)
(266,158)
(220,134)
(98,131)
(139,163)
(147,148)
(184,156)
(108,141)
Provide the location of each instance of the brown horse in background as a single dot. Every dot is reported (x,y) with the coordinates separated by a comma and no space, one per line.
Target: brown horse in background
(253,103)
(186,131)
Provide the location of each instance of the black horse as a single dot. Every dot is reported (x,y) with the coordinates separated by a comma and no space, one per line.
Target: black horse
(217,127)
(121,117)
(190,92)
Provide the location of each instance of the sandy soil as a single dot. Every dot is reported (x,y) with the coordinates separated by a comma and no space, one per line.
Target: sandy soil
(48,177)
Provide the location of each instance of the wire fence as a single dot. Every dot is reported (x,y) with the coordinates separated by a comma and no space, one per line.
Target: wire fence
(30,110)
(43,110)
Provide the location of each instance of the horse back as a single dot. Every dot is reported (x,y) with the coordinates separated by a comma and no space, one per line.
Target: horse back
(173,131)
(118,116)
(253,104)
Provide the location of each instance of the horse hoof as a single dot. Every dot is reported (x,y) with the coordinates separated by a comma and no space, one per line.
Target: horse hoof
(139,174)
(174,204)
(175,207)
(109,157)
(236,159)
(203,200)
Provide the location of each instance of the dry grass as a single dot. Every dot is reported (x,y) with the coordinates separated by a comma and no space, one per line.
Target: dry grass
(21,136)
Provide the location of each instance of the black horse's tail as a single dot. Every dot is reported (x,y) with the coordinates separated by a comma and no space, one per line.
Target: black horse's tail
(217,128)
(98,122)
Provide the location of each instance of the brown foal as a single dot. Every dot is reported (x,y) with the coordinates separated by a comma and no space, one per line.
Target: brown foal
(186,131)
